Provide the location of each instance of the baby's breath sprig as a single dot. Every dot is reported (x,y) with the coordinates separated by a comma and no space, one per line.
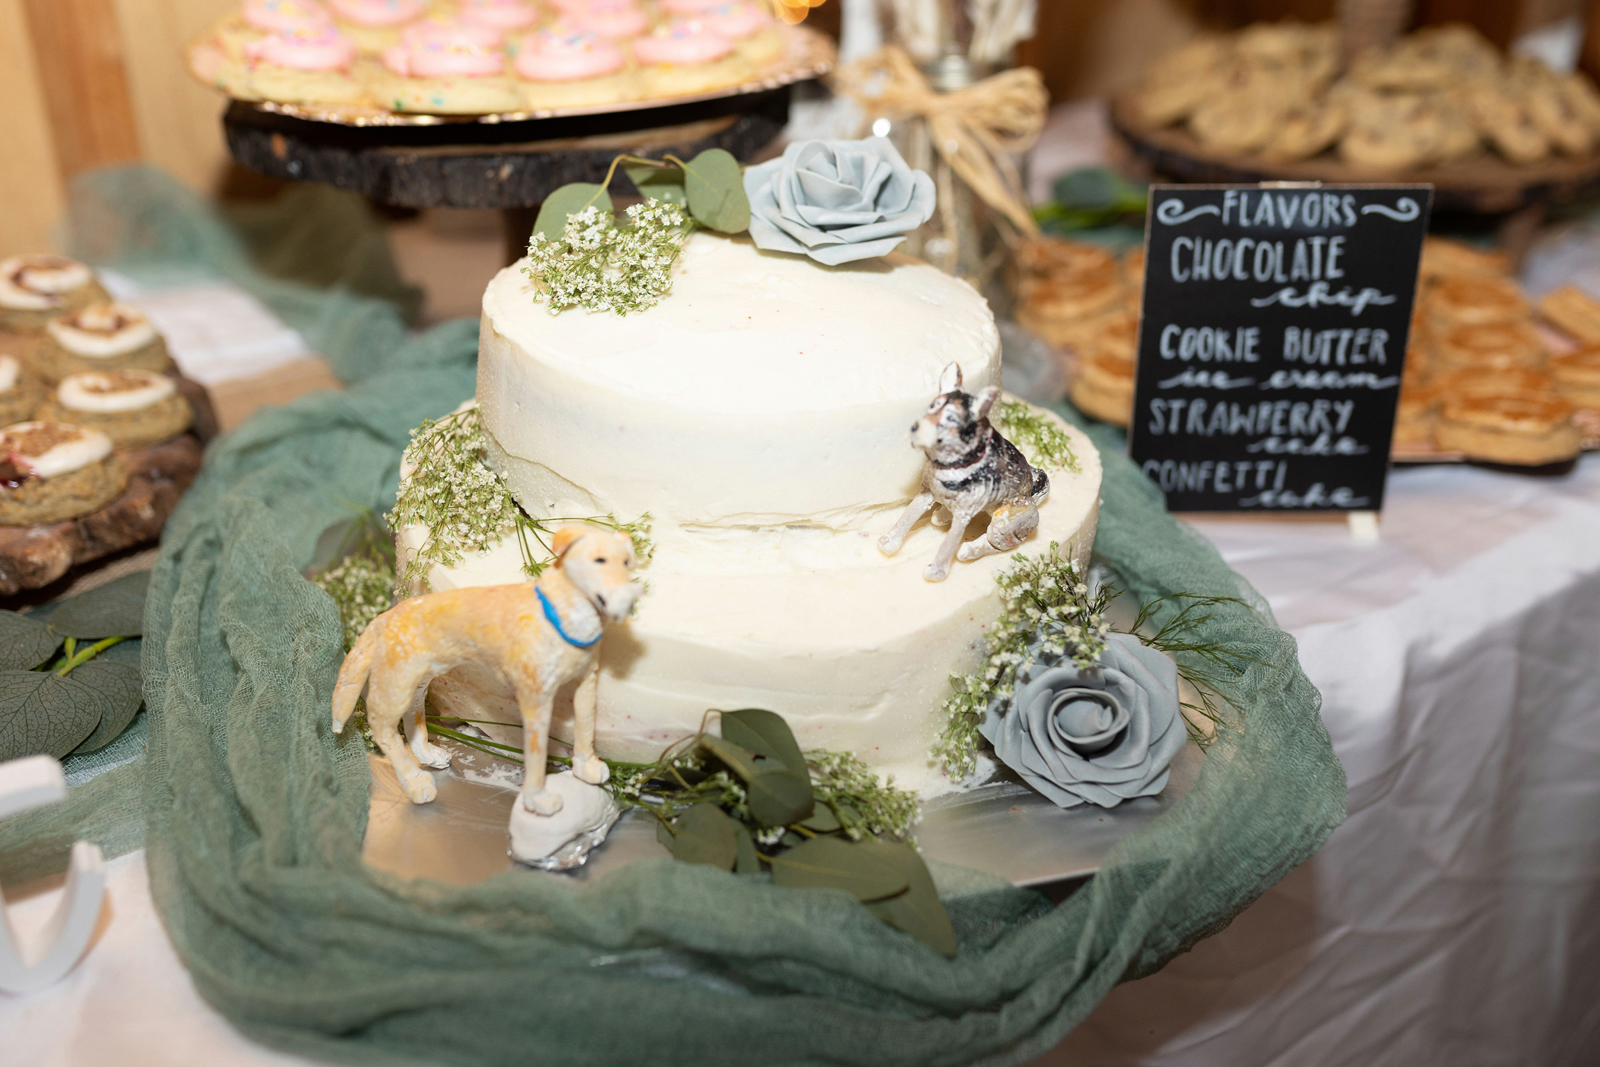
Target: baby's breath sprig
(465,506)
(600,266)
(1040,439)
(1045,603)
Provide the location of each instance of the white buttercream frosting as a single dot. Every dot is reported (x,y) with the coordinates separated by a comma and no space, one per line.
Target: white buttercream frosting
(10,372)
(102,331)
(108,391)
(853,648)
(35,282)
(51,448)
(763,389)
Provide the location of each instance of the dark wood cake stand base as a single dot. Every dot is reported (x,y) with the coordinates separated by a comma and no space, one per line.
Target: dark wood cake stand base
(512,166)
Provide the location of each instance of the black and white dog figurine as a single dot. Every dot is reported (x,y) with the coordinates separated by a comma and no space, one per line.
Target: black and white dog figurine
(971,469)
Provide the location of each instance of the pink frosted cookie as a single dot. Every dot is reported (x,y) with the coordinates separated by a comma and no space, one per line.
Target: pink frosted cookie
(274,16)
(446,72)
(375,24)
(684,56)
(259,18)
(737,20)
(309,48)
(611,19)
(445,30)
(682,42)
(305,65)
(502,15)
(553,56)
(561,68)
(378,12)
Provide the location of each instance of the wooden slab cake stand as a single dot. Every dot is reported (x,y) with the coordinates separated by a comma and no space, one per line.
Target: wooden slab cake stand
(513,161)
(32,557)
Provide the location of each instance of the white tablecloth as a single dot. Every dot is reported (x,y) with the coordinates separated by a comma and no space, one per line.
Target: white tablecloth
(1454,920)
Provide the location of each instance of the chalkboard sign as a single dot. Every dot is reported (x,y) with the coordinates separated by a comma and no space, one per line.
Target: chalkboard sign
(1272,342)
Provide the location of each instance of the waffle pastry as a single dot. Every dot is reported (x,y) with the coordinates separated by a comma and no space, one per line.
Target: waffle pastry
(1577,377)
(1573,311)
(1492,345)
(1103,388)
(1520,429)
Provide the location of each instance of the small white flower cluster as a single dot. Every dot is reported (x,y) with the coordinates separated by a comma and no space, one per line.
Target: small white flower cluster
(1040,439)
(600,266)
(867,807)
(451,491)
(1048,609)
(361,586)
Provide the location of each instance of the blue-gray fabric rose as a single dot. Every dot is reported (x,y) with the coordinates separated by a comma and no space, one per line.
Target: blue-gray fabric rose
(837,201)
(1102,735)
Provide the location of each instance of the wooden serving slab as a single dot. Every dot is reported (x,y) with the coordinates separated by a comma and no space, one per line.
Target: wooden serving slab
(35,556)
(1484,184)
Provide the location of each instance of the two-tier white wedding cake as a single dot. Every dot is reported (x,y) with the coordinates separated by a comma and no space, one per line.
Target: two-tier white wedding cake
(762,414)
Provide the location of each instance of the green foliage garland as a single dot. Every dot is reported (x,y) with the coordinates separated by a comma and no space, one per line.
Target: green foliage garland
(579,256)
(465,506)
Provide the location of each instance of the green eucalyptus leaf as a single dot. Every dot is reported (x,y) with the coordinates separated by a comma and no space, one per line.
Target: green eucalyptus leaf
(42,712)
(716,191)
(918,911)
(115,609)
(705,834)
(748,860)
(823,820)
(25,643)
(779,797)
(738,759)
(119,687)
(764,734)
(658,183)
(568,200)
(834,863)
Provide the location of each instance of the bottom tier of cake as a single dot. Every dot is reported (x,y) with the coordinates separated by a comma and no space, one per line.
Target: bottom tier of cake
(853,648)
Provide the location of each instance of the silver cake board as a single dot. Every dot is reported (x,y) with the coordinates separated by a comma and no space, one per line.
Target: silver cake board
(1002,828)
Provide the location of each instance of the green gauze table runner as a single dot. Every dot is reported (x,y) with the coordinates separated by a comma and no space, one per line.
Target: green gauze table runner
(256,812)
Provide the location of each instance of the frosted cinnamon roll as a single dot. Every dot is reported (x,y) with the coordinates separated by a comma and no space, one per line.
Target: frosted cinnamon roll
(36,288)
(104,336)
(133,408)
(51,472)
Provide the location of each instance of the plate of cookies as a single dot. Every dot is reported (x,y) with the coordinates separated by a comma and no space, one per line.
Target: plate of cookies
(1441,105)
(416,62)
(1491,376)
(99,433)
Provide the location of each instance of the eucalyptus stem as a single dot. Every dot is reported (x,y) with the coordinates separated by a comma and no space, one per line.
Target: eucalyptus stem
(78,657)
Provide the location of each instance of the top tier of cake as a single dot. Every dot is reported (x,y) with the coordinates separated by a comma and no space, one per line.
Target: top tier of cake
(763,389)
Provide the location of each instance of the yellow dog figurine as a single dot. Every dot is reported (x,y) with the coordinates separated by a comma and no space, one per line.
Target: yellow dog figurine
(538,635)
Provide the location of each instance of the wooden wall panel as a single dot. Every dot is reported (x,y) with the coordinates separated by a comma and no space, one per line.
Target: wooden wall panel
(179,120)
(30,181)
(78,50)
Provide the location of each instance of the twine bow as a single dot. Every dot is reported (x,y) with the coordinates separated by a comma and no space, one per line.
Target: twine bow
(975,130)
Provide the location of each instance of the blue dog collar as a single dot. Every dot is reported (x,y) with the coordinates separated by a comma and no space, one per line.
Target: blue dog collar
(555,620)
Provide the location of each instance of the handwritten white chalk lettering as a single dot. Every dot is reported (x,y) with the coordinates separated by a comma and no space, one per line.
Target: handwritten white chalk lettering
(1337,347)
(1318,294)
(1210,344)
(1315,497)
(1287,210)
(1202,259)
(1328,379)
(1322,445)
(1194,378)
(1278,418)
(1224,476)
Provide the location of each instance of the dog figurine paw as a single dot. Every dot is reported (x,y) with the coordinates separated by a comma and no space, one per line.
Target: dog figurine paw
(538,636)
(971,469)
